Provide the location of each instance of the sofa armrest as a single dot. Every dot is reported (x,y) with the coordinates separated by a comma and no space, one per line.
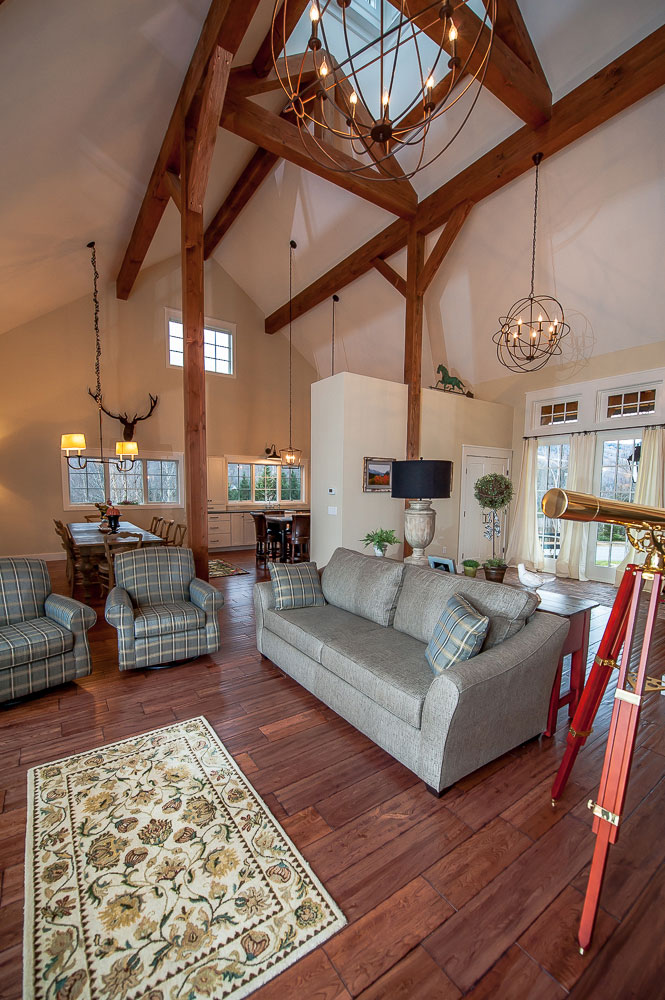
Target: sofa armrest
(264,600)
(119,610)
(205,596)
(71,614)
(480,709)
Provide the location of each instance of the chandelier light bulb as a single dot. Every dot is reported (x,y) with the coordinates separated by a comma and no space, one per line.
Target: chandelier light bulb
(452,34)
(430,83)
(314,13)
(323,70)
(353,98)
(385,100)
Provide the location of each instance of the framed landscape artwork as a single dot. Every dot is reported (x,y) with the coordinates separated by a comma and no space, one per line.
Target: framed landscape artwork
(377,473)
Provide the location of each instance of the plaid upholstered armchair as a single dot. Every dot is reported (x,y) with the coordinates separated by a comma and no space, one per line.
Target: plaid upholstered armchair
(162,612)
(43,636)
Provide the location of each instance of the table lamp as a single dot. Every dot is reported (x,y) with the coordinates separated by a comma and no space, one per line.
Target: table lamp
(419,479)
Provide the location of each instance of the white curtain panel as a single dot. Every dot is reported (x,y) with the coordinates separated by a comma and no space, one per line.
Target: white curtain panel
(524,543)
(571,561)
(650,486)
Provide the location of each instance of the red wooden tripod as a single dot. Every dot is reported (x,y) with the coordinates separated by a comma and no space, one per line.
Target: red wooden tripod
(620,630)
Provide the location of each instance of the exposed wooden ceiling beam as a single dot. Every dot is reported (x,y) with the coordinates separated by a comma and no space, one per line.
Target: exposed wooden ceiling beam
(635,74)
(619,85)
(225,25)
(172,181)
(262,62)
(512,30)
(263,128)
(212,99)
(388,242)
(248,182)
(245,83)
(508,78)
(458,217)
(390,274)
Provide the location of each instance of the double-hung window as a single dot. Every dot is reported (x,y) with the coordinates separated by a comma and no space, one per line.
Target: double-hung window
(262,482)
(218,345)
(149,481)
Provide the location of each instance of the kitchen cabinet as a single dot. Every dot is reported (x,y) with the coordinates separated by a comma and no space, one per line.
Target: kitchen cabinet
(242,530)
(216,480)
(219,531)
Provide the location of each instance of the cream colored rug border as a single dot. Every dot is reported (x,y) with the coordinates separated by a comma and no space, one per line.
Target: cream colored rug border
(29,910)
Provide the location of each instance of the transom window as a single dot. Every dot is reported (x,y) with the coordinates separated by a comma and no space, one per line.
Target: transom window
(559,413)
(264,483)
(552,473)
(625,404)
(217,347)
(152,481)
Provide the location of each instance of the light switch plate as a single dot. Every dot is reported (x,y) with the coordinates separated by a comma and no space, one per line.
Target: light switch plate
(332,510)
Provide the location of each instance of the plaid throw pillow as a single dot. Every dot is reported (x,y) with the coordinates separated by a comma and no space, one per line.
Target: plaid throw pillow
(458,635)
(296,586)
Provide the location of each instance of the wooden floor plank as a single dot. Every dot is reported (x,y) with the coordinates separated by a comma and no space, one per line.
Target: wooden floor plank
(364,951)
(517,977)
(416,977)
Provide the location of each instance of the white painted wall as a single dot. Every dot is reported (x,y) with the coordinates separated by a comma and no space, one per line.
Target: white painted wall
(353,417)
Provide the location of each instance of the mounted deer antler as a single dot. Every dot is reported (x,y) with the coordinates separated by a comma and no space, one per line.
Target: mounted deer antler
(129,425)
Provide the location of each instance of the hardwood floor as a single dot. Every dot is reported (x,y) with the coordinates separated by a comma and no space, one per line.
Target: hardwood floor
(475,894)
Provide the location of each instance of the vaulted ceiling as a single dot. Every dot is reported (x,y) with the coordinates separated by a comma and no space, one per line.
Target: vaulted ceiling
(88,90)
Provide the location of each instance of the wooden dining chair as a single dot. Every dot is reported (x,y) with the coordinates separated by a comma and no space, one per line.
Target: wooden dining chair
(73,569)
(298,540)
(165,529)
(178,536)
(155,524)
(263,539)
(122,541)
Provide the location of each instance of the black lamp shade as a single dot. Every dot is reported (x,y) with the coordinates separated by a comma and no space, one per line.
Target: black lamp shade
(421,479)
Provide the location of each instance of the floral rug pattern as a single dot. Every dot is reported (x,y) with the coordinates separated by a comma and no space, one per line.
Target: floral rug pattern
(154,871)
(220,567)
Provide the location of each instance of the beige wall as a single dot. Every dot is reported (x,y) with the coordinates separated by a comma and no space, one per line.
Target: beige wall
(47,365)
(353,417)
(512,389)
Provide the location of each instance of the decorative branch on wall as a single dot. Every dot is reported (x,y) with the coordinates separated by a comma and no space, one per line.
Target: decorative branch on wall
(129,424)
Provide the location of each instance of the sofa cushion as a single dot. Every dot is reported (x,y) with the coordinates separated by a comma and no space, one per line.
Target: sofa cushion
(425,591)
(296,586)
(387,666)
(363,585)
(458,634)
(309,629)
(164,619)
(38,639)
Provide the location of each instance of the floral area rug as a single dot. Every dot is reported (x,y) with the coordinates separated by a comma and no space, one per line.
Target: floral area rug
(220,567)
(155,871)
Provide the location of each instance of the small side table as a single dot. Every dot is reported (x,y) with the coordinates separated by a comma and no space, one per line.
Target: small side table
(578,612)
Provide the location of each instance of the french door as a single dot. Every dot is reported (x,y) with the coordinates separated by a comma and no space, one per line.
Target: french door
(615,474)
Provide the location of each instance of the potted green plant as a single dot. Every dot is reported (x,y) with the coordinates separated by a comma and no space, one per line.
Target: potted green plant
(494,492)
(470,566)
(380,539)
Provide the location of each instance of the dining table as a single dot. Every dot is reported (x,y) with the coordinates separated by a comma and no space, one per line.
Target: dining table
(89,540)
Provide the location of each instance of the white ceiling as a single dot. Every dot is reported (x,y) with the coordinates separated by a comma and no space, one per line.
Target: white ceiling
(88,89)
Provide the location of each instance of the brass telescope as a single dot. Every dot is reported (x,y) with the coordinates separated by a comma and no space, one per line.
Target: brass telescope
(645,526)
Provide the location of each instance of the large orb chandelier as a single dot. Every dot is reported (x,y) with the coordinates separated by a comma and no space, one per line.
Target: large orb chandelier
(379,96)
(532,331)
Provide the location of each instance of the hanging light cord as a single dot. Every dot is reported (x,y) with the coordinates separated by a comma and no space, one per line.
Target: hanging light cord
(292,246)
(537,158)
(98,345)
(335,299)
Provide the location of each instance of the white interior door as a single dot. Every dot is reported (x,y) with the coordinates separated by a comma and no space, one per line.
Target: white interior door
(477,462)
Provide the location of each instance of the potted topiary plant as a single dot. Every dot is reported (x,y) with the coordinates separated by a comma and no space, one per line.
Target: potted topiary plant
(494,492)
(380,539)
(470,566)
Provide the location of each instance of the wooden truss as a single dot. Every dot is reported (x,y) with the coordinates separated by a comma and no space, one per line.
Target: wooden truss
(213,94)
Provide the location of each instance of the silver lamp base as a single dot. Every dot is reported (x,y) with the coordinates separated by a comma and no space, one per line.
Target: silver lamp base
(419,521)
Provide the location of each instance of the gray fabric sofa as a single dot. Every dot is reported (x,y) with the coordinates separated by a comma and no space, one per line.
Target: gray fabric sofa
(363,654)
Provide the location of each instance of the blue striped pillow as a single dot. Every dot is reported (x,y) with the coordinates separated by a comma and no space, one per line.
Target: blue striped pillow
(296,586)
(458,635)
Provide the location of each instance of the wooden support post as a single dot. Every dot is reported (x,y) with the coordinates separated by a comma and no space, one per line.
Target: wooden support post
(413,339)
(193,382)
